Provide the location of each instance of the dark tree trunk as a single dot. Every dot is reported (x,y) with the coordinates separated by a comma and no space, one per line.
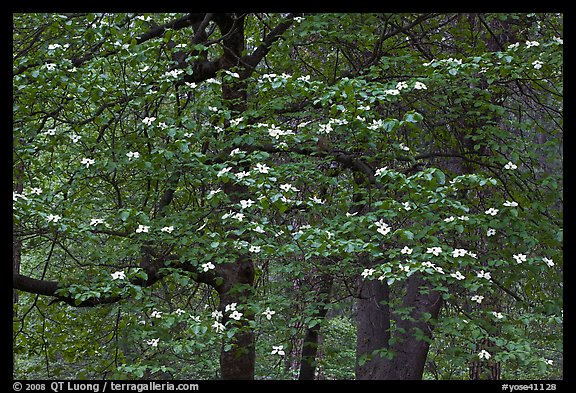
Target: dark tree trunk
(373,323)
(484,369)
(238,279)
(237,283)
(412,333)
(311,338)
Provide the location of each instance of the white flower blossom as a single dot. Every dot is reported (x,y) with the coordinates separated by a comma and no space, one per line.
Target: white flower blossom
(497,315)
(376,124)
(262,168)
(87,161)
(179,311)
(483,274)
(367,273)
(53,218)
(15,196)
(36,190)
(530,44)
(510,166)
(490,232)
(401,85)
(148,120)
(458,252)
(458,276)
(428,264)
(246,203)
(235,122)
(96,221)
(153,342)
(519,258)
(288,187)
(477,298)
(484,354)
(242,174)
(219,327)
(268,313)
(439,269)
(317,200)
(510,204)
(119,275)
(254,249)
(380,171)
(258,229)
(132,154)
(232,74)
(156,314)
(276,132)
(491,211)
(223,171)
(236,151)
(325,128)
(213,192)
(238,216)
(548,261)
(142,228)
(420,86)
(217,314)
(383,228)
(449,219)
(537,64)
(434,250)
(231,307)
(173,73)
(236,315)
(167,229)
(208,266)
(75,138)
(406,250)
(278,350)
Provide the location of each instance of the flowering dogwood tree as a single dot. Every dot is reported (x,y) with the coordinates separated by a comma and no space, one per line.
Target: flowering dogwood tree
(223,195)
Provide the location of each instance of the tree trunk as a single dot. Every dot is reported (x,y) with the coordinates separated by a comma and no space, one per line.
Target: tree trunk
(238,278)
(412,334)
(311,338)
(373,322)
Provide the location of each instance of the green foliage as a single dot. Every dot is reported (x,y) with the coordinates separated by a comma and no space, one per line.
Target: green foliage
(439,133)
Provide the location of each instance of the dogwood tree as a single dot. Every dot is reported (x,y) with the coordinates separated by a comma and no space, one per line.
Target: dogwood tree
(218,195)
